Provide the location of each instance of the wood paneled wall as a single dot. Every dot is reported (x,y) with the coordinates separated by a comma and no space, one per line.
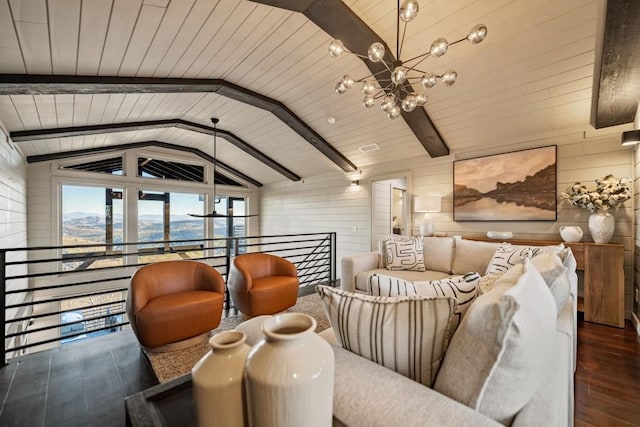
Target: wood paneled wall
(328,203)
(13,215)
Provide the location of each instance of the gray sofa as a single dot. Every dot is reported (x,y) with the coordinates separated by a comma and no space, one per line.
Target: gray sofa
(367,394)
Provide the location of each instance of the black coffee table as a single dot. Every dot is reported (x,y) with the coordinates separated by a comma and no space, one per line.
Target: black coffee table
(166,404)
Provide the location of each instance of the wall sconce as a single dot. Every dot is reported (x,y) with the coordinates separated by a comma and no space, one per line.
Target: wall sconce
(427,204)
(633,136)
(355,183)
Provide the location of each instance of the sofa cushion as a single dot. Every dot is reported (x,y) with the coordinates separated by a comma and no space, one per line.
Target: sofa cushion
(362,279)
(499,355)
(405,254)
(471,255)
(406,334)
(438,253)
(462,288)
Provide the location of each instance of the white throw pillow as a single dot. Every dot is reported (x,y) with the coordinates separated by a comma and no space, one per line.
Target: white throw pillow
(555,275)
(499,356)
(462,288)
(408,335)
(405,254)
(382,247)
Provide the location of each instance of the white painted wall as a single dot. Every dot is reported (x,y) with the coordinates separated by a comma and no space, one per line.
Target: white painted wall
(327,203)
(13,217)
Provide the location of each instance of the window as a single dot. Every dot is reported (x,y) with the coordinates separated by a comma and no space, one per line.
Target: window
(112,166)
(91,215)
(163,217)
(155,168)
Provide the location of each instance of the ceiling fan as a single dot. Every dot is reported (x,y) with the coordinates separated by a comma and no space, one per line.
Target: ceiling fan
(215,214)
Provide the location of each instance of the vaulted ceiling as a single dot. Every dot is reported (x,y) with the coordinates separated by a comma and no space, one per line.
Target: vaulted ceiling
(533,75)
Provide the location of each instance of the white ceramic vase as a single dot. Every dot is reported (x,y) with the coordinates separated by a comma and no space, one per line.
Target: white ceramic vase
(601,226)
(218,380)
(289,375)
(571,233)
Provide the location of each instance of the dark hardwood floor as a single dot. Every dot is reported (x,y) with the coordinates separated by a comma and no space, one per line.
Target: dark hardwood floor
(607,381)
(85,383)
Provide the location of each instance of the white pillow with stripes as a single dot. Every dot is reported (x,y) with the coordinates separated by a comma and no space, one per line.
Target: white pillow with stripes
(408,335)
(507,255)
(463,288)
(406,254)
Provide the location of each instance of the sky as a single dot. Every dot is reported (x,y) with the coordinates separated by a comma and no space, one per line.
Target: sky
(92,199)
(483,173)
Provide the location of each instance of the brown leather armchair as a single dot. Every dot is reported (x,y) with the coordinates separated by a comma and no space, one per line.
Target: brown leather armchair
(262,284)
(171,302)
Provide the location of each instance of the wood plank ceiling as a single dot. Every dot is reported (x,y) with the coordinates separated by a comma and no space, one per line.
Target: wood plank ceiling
(533,75)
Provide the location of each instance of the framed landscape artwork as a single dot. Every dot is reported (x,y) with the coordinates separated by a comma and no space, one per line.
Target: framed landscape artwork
(515,186)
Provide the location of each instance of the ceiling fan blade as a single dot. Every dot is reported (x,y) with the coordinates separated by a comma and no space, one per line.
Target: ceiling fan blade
(217,215)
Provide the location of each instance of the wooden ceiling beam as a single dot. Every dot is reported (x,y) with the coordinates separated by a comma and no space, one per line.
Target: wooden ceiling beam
(616,82)
(107,148)
(340,22)
(40,134)
(40,84)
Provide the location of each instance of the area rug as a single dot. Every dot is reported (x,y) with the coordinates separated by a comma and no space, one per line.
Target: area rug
(172,364)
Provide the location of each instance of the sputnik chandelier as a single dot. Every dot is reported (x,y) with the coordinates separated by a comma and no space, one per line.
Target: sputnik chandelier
(396,90)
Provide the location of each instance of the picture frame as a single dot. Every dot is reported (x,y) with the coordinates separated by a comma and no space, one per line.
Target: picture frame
(513,186)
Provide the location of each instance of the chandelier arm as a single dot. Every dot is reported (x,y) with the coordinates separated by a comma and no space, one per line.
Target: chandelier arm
(404,32)
(398,44)
(423,56)
(457,41)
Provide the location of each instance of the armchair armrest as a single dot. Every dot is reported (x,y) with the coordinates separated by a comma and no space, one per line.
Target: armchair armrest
(354,264)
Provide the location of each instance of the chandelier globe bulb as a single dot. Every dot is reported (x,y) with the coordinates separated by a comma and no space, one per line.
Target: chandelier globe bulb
(376,52)
(408,10)
(477,34)
(368,101)
(429,80)
(449,77)
(439,47)
(399,75)
(336,48)
(394,112)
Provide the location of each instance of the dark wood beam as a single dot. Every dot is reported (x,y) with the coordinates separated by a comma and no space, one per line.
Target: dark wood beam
(31,84)
(340,22)
(616,88)
(108,148)
(40,134)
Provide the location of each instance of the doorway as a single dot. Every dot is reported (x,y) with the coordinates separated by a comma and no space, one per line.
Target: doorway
(390,207)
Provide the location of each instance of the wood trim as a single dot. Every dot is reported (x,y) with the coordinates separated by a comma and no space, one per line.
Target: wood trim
(617,70)
(40,84)
(339,21)
(65,132)
(199,153)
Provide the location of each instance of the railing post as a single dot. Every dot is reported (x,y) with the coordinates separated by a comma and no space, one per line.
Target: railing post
(333,256)
(3,311)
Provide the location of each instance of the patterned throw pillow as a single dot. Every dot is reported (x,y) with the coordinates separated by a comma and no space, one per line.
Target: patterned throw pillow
(382,247)
(405,254)
(462,288)
(408,335)
(507,255)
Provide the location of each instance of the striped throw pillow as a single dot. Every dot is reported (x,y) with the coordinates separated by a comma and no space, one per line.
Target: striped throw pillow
(506,256)
(408,335)
(463,288)
(405,254)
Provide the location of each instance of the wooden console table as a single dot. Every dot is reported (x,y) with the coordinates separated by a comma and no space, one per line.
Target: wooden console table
(603,267)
